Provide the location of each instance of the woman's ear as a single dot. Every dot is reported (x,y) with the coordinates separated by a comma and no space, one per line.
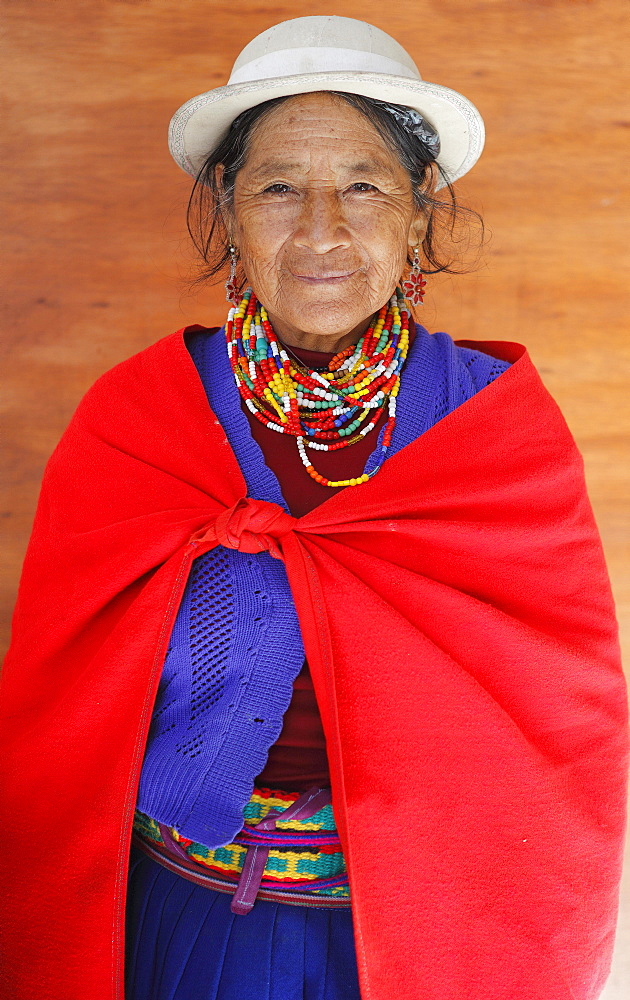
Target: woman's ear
(422,217)
(224,208)
(418,229)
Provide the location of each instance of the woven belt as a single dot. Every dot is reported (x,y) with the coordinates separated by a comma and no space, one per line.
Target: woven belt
(246,869)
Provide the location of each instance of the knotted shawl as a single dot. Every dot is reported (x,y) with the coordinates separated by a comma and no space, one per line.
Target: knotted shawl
(458,622)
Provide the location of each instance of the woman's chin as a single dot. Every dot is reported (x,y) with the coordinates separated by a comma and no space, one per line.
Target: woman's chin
(324,320)
(323,312)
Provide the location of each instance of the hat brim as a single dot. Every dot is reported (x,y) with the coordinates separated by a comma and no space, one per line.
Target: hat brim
(202,122)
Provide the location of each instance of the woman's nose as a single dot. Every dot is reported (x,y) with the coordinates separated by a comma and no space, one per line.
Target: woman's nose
(321,226)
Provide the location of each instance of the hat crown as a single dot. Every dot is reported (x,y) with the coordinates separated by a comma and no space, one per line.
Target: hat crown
(321,44)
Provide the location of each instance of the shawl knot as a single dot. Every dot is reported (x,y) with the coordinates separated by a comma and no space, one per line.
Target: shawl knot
(249,526)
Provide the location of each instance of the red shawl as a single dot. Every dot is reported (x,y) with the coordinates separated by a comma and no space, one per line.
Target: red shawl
(458,622)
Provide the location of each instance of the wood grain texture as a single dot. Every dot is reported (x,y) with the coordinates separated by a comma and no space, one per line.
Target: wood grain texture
(96,254)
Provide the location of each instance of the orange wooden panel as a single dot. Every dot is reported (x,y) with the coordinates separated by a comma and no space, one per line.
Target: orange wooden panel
(96,253)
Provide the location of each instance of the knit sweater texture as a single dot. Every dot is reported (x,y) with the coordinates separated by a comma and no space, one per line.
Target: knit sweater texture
(236,646)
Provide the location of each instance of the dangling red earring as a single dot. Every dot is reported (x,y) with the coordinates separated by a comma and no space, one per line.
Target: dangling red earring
(414,284)
(231,285)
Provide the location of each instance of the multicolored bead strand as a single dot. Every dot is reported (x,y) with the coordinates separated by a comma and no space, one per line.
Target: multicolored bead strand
(323,410)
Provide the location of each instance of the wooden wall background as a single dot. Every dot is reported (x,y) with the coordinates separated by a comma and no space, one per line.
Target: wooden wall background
(96,253)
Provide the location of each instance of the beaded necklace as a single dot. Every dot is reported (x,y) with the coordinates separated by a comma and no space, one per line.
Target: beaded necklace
(323,410)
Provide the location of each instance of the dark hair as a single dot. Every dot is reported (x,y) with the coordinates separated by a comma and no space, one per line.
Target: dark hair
(442,244)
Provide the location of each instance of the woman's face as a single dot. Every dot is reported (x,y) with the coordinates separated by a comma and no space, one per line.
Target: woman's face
(323,216)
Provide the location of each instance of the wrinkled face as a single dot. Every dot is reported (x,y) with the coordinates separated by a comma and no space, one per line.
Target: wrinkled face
(323,216)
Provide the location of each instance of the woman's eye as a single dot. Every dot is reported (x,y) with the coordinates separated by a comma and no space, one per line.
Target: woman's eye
(362,186)
(277,189)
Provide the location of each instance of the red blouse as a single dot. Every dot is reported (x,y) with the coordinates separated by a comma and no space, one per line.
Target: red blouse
(298,759)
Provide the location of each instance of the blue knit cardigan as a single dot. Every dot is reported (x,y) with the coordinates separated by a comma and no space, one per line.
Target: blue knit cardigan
(236,647)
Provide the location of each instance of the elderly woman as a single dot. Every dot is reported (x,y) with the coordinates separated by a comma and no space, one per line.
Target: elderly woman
(314,606)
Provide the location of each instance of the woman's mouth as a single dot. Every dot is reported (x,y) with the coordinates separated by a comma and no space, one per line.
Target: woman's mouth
(331,277)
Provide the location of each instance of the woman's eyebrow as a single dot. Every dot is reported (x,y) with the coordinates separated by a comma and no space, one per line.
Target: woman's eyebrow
(272,167)
(371,166)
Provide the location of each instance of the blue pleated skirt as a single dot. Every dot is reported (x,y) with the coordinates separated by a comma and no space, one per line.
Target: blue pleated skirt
(184,943)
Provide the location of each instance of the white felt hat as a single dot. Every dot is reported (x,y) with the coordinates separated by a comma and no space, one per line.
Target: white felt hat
(310,54)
